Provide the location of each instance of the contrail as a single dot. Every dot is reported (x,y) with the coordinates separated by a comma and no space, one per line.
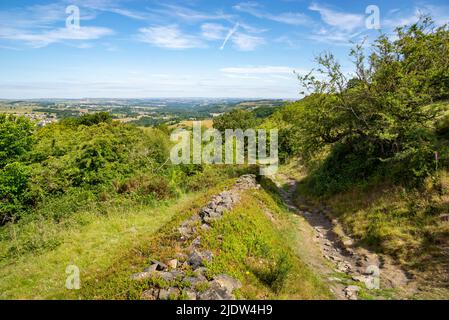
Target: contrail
(229,35)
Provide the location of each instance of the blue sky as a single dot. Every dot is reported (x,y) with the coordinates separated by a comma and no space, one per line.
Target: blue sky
(190,48)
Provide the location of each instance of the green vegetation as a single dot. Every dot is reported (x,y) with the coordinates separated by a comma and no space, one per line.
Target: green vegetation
(251,247)
(69,189)
(112,243)
(246,244)
(379,124)
(236,119)
(103,195)
(375,147)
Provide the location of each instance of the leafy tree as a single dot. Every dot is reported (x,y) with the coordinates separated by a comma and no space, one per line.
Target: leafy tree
(16,138)
(236,119)
(13,185)
(384,109)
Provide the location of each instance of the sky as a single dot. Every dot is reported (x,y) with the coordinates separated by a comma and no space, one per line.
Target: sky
(190,48)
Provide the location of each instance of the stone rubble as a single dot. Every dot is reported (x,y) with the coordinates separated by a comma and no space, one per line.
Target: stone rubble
(194,259)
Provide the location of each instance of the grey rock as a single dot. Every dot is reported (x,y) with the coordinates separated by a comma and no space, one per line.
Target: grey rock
(200,272)
(151,294)
(216,292)
(221,209)
(196,243)
(187,228)
(198,258)
(151,268)
(227,282)
(169,276)
(190,294)
(168,294)
(193,281)
(351,292)
(160,266)
(142,275)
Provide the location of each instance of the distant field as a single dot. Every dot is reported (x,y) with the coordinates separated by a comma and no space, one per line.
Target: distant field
(208,123)
(16,110)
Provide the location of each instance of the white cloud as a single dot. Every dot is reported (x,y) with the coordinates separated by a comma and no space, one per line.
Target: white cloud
(397,18)
(112,6)
(254,9)
(336,37)
(188,14)
(292,43)
(246,42)
(45,38)
(168,37)
(213,31)
(340,20)
(258,70)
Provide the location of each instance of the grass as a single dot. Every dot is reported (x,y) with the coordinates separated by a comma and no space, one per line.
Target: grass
(96,244)
(402,223)
(259,252)
(246,245)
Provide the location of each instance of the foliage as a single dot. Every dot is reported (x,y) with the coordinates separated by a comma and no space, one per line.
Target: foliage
(378,122)
(236,119)
(85,162)
(90,119)
(16,138)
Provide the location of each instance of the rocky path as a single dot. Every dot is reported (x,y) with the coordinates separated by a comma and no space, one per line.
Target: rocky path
(364,268)
(348,268)
(188,267)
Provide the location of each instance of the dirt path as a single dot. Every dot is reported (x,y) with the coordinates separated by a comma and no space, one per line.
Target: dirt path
(348,268)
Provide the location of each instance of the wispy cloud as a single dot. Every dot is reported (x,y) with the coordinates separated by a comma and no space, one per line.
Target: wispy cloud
(241,41)
(40,25)
(44,38)
(335,37)
(38,16)
(213,31)
(188,14)
(440,14)
(112,6)
(255,9)
(340,20)
(169,37)
(338,27)
(246,42)
(259,70)
(287,40)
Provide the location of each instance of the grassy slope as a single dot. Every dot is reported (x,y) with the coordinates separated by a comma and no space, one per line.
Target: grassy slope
(108,248)
(256,243)
(246,244)
(403,223)
(95,243)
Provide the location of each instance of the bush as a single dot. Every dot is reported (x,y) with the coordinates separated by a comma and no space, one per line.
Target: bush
(13,185)
(378,123)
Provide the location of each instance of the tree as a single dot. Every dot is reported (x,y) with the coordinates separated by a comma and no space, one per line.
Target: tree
(236,119)
(384,109)
(16,138)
